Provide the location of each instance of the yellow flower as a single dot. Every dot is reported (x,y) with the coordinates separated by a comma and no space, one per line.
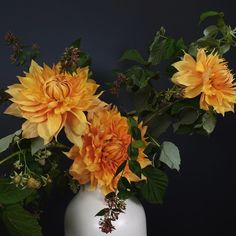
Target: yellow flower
(50,100)
(209,77)
(104,150)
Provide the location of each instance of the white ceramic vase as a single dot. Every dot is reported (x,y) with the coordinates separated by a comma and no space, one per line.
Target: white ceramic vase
(80,217)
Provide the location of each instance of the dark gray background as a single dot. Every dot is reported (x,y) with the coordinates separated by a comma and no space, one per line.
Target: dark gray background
(201,199)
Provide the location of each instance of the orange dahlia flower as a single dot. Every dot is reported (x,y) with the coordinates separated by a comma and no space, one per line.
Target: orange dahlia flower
(104,150)
(50,100)
(209,77)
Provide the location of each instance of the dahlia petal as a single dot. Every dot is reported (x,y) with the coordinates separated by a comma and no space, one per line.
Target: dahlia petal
(53,123)
(43,132)
(29,130)
(13,110)
(74,138)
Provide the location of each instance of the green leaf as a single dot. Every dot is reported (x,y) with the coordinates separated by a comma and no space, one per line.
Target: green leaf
(159,125)
(210,31)
(102,212)
(124,188)
(143,99)
(136,133)
(187,117)
(132,122)
(170,155)
(10,194)
(153,190)
(133,55)
(125,194)
(36,145)
(138,144)
(76,43)
(207,14)
(123,184)
(224,48)
(132,152)
(6,141)
(186,103)
(135,167)
(20,222)
(121,168)
(84,59)
(209,122)
(161,50)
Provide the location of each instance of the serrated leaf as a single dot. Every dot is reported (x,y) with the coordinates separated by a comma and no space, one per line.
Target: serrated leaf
(207,14)
(170,155)
(135,167)
(133,55)
(20,222)
(6,141)
(10,194)
(208,122)
(153,189)
(121,168)
(36,145)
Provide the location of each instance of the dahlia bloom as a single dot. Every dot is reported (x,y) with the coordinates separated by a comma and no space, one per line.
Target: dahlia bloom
(209,77)
(104,150)
(50,99)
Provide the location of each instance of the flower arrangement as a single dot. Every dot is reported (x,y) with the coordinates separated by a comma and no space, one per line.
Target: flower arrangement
(109,148)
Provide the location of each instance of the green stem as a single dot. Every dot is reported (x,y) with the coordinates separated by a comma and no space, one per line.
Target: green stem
(11,156)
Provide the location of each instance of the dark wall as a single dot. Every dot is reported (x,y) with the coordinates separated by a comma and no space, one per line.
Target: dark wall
(201,198)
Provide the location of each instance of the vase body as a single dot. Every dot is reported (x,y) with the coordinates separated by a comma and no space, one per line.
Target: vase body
(80,217)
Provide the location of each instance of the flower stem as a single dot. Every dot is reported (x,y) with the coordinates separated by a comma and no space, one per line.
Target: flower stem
(11,156)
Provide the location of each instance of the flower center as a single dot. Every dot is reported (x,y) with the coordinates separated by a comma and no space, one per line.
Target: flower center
(57,88)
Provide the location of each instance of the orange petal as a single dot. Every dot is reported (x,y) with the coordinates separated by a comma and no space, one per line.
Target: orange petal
(14,110)
(29,130)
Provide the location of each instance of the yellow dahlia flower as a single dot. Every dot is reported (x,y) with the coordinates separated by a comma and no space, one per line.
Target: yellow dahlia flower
(104,150)
(50,100)
(209,77)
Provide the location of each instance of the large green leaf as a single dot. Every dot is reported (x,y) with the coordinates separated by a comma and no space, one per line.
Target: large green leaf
(153,189)
(6,141)
(20,222)
(10,194)
(170,155)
